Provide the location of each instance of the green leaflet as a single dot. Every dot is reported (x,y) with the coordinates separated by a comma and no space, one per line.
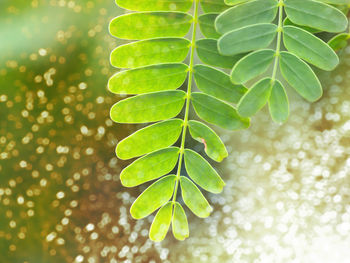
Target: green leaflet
(278,103)
(201,172)
(161,223)
(194,199)
(247,39)
(148,79)
(287,22)
(150,167)
(206,24)
(316,15)
(213,6)
(148,52)
(339,41)
(159,5)
(180,224)
(218,112)
(336,2)
(217,84)
(150,200)
(149,107)
(300,76)
(310,48)
(151,24)
(256,98)
(149,139)
(208,53)
(213,146)
(235,2)
(250,13)
(252,65)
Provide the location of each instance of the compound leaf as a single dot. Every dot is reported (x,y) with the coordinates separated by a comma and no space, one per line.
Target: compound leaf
(278,103)
(150,167)
(250,13)
(150,200)
(194,199)
(252,65)
(217,84)
(310,48)
(300,76)
(256,98)
(161,223)
(149,107)
(149,79)
(218,112)
(213,146)
(202,173)
(246,39)
(149,52)
(149,139)
(316,15)
(151,24)
(180,224)
(159,5)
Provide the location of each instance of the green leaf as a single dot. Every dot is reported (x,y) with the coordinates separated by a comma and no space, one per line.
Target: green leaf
(217,84)
(213,6)
(218,112)
(202,173)
(250,13)
(310,48)
(300,76)
(148,79)
(213,146)
(149,107)
(148,52)
(235,2)
(252,65)
(256,98)
(149,139)
(206,24)
(161,223)
(278,103)
(151,24)
(180,224)
(339,41)
(153,197)
(287,22)
(247,39)
(208,53)
(159,5)
(194,199)
(316,15)
(335,2)
(150,167)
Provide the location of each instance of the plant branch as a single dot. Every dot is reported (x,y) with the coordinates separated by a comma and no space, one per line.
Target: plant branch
(279,36)
(188,98)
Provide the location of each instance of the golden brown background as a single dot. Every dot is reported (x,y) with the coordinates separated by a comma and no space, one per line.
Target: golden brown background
(287,198)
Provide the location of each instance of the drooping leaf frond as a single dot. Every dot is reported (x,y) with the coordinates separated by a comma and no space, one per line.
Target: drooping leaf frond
(248,27)
(154,71)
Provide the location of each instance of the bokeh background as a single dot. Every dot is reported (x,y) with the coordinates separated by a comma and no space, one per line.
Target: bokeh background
(287,197)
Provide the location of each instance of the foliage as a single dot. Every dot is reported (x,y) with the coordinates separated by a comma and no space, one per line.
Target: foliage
(249,28)
(154,72)
(238,35)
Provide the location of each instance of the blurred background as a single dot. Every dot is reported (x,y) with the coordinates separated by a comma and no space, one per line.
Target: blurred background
(287,197)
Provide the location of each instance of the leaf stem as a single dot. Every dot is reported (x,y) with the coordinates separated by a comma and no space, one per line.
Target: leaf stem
(279,36)
(188,97)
